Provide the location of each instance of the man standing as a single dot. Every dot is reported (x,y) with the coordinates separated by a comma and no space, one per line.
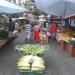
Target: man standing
(28,28)
(11,25)
(53,30)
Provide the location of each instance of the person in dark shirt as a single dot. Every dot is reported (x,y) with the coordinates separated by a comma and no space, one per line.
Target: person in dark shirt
(11,25)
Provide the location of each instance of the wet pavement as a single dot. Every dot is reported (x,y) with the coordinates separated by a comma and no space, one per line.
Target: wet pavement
(58,62)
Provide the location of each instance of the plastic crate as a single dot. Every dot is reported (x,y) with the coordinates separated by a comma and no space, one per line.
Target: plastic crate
(26,73)
(30,73)
(23,73)
(38,73)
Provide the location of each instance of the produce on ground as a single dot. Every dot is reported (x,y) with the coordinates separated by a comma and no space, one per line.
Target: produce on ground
(24,62)
(38,64)
(33,63)
(33,49)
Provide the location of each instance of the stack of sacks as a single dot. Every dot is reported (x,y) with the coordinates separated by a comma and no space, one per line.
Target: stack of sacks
(38,64)
(24,62)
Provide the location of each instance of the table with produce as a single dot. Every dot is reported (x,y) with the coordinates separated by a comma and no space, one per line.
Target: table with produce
(67,40)
(66,34)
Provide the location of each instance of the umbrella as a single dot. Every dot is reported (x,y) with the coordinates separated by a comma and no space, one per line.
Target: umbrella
(62,8)
(8,7)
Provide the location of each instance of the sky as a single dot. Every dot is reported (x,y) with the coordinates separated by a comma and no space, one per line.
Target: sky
(42,3)
(45,4)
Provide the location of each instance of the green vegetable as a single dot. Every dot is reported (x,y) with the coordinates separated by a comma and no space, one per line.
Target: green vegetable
(33,49)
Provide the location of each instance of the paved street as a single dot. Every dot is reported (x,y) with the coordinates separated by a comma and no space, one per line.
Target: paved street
(58,62)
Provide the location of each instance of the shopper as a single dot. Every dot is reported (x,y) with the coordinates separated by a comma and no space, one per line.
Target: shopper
(28,29)
(53,30)
(36,30)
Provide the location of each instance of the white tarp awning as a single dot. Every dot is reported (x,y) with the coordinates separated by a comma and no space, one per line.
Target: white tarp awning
(8,7)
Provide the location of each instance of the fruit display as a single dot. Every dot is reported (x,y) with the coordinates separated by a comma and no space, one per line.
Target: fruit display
(30,48)
(63,36)
(43,36)
(31,63)
(68,31)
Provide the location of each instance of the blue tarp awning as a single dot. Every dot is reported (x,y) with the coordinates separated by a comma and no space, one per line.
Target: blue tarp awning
(8,7)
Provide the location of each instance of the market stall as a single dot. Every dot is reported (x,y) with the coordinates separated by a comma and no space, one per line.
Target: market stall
(66,35)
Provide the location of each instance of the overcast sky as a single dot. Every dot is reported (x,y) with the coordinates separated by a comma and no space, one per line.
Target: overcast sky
(42,3)
(45,4)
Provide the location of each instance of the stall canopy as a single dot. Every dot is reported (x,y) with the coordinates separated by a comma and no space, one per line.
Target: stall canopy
(8,7)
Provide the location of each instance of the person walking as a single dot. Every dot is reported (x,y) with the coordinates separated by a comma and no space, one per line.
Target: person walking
(36,30)
(11,25)
(28,28)
(53,30)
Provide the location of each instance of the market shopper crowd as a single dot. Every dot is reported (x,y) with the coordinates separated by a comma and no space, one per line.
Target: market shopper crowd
(37,30)
(47,30)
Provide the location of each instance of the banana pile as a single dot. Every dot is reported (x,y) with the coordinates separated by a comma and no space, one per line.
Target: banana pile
(33,63)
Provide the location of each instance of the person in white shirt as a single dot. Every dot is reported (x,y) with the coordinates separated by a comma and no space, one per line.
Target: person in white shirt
(28,28)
